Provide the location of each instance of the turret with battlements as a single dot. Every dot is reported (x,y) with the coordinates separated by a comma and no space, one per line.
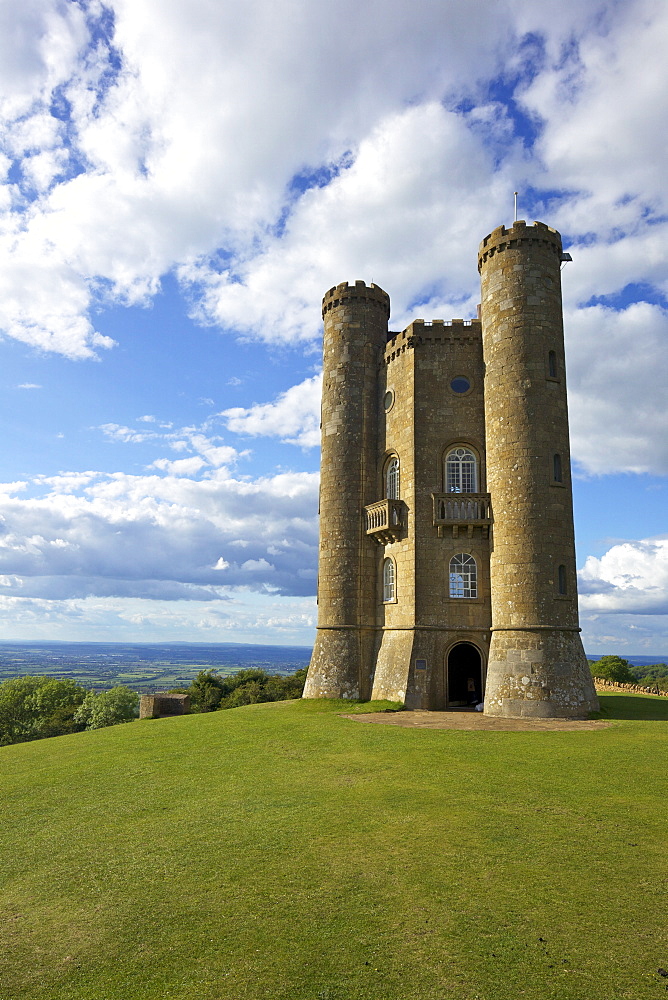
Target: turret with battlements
(537,666)
(355,319)
(447,563)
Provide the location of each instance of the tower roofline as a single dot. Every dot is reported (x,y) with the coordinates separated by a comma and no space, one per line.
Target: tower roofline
(360,291)
(519,233)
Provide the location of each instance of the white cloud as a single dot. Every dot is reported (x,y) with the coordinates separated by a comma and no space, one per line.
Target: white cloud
(294,416)
(191,153)
(209,451)
(629,577)
(407,213)
(605,109)
(249,617)
(159,537)
(184,149)
(617,365)
(181,467)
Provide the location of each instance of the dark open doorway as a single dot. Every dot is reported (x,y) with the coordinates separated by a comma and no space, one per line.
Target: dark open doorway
(464,675)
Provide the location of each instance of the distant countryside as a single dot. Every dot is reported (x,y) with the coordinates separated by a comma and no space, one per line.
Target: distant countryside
(143,667)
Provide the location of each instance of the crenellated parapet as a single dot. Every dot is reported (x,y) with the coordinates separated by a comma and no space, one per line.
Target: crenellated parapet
(360,292)
(519,236)
(421,333)
(424,594)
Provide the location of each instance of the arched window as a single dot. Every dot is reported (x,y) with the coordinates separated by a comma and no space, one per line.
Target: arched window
(561,580)
(463,576)
(556,469)
(392,479)
(552,364)
(461,471)
(389,582)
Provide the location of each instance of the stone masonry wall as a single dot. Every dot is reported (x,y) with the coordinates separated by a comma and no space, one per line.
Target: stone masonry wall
(355,319)
(537,664)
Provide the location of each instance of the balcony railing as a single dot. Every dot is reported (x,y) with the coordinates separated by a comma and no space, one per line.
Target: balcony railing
(462,510)
(385,520)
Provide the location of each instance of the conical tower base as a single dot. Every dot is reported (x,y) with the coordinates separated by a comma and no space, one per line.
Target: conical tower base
(540,674)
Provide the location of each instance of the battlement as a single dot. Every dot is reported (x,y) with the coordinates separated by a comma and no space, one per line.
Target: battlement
(360,291)
(518,235)
(423,332)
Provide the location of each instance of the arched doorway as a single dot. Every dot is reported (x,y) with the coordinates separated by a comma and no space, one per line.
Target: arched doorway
(464,675)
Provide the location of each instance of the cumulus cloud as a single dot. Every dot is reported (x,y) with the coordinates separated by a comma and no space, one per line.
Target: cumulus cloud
(132,159)
(294,416)
(619,420)
(261,157)
(598,112)
(629,577)
(407,212)
(160,537)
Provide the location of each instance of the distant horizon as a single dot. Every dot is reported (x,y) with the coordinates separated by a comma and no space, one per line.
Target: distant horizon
(638,659)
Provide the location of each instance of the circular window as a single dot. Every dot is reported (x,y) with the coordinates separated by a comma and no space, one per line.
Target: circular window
(460,384)
(388,399)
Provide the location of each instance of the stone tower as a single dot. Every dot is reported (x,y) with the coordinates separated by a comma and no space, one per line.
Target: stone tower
(537,666)
(355,319)
(445,501)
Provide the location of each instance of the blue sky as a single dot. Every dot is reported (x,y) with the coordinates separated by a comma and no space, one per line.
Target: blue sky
(180,182)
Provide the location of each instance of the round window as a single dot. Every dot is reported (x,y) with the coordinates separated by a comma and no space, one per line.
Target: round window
(388,399)
(460,384)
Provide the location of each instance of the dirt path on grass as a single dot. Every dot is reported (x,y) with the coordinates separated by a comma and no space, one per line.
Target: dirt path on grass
(476,720)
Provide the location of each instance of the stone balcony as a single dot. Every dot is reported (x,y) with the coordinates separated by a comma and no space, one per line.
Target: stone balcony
(385,520)
(462,512)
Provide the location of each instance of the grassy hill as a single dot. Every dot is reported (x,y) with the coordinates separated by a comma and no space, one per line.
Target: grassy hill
(280,851)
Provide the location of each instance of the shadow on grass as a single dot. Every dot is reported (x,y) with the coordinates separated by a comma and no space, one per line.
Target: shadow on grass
(632,706)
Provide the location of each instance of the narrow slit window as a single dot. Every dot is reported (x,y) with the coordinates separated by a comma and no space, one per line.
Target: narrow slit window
(461,471)
(561,580)
(552,364)
(392,479)
(463,576)
(557,475)
(389,581)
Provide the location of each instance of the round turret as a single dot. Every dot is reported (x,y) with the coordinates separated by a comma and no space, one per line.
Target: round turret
(536,663)
(355,335)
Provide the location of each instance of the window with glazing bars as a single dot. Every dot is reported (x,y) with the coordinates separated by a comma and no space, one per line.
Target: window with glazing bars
(389,590)
(461,473)
(392,479)
(463,576)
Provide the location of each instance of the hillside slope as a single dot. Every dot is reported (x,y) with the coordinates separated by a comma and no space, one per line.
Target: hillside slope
(280,851)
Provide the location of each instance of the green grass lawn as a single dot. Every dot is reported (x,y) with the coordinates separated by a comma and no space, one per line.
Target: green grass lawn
(280,851)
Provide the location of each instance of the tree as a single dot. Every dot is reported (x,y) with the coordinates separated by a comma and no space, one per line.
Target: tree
(206,691)
(655,675)
(209,691)
(33,707)
(613,668)
(55,704)
(108,708)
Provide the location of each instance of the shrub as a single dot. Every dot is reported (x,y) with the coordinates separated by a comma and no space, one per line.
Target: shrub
(209,691)
(613,668)
(108,708)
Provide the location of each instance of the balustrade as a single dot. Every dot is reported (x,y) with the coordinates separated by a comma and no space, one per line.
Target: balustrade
(384,520)
(466,510)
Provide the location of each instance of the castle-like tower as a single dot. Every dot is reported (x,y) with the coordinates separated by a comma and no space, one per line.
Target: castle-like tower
(447,559)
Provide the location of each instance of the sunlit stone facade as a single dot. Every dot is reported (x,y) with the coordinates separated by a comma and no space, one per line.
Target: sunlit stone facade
(447,560)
